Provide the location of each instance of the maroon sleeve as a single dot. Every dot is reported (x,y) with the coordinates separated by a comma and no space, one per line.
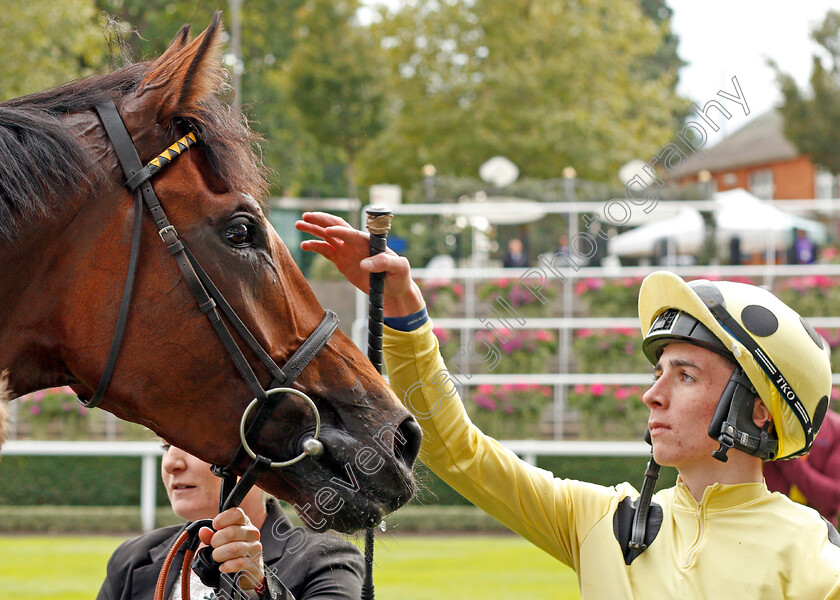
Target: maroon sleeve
(818,476)
(775,477)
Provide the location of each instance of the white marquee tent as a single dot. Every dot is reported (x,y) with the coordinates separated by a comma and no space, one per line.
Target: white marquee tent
(757,223)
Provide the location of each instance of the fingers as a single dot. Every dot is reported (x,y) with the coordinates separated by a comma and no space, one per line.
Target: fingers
(205,534)
(349,235)
(323,219)
(240,556)
(325,249)
(387,262)
(317,231)
(317,223)
(349,250)
(232,516)
(329,228)
(236,544)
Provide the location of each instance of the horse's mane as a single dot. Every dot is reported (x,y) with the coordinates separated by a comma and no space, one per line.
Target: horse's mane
(41,158)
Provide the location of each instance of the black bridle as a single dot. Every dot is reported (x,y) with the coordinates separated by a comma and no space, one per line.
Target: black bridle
(213,304)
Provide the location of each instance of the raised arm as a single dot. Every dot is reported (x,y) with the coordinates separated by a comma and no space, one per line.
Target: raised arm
(552,513)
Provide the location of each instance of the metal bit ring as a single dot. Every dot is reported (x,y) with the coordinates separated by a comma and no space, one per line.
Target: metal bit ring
(310,442)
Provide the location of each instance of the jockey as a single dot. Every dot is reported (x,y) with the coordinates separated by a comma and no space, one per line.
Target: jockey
(739,378)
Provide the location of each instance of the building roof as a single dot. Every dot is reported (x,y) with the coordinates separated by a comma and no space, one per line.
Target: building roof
(760,141)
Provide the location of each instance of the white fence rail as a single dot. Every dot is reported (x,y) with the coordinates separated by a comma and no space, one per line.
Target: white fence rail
(148,452)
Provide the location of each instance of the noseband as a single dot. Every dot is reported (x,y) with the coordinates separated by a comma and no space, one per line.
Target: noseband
(211,302)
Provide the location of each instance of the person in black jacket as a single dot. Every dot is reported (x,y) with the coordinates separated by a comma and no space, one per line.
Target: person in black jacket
(516,256)
(290,563)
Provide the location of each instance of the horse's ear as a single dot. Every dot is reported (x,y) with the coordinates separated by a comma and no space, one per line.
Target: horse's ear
(187,73)
(179,41)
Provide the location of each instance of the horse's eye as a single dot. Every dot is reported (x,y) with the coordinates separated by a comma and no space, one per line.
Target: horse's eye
(240,233)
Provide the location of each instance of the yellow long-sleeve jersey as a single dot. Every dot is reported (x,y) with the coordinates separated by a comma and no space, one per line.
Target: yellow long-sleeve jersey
(739,541)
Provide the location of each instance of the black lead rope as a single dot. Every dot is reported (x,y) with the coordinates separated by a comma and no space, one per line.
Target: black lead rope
(378,224)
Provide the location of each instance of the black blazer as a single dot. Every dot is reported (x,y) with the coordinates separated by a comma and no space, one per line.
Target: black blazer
(311,565)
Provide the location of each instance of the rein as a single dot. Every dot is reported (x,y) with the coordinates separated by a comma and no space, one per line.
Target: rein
(213,304)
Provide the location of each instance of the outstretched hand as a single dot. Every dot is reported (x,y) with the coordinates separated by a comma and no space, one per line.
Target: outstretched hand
(349,250)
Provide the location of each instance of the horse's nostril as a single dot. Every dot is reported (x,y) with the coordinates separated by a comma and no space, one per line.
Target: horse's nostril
(407,440)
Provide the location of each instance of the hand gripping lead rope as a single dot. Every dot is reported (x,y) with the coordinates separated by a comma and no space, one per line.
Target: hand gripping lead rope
(378,224)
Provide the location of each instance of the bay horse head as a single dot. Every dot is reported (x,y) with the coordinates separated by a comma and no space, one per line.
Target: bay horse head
(67,224)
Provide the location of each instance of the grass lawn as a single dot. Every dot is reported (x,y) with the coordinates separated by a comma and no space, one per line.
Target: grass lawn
(407,567)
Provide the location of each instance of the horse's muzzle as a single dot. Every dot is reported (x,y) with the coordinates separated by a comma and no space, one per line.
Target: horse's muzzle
(407,438)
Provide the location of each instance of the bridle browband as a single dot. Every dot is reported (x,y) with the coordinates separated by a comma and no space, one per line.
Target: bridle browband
(211,302)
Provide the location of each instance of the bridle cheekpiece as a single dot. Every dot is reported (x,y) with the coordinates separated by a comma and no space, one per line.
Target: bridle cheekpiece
(213,304)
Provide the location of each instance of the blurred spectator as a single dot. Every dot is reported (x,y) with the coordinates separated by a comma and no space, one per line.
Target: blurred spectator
(515,257)
(804,250)
(735,257)
(813,479)
(562,245)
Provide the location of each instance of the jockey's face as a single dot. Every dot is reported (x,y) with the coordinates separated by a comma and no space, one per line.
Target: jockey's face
(689,381)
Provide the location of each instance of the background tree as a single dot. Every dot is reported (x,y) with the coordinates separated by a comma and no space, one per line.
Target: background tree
(45,43)
(587,83)
(545,83)
(812,118)
(335,78)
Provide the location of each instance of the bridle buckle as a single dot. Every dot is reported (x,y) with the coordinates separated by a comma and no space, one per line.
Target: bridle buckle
(166,230)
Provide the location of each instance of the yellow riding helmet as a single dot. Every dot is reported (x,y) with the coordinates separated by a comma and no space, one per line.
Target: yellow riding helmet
(784,358)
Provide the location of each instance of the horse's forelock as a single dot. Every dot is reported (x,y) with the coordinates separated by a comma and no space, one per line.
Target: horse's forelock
(232,149)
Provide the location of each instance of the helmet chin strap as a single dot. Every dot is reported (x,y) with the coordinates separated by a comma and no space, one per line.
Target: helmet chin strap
(733,426)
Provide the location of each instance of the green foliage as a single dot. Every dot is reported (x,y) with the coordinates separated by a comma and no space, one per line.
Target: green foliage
(54,414)
(429,236)
(525,350)
(449,341)
(338,101)
(335,80)
(520,295)
(605,470)
(609,297)
(441,296)
(609,351)
(68,480)
(438,519)
(114,481)
(610,411)
(46,43)
(832,336)
(665,59)
(546,84)
(812,118)
(810,295)
(125,520)
(509,411)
